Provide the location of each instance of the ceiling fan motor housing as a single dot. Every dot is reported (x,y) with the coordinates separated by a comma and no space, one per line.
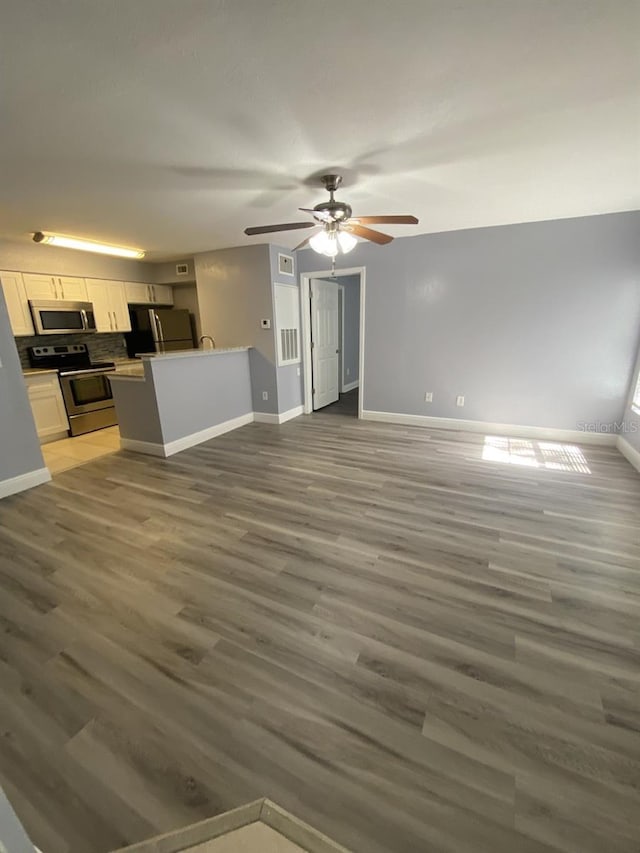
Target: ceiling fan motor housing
(337,210)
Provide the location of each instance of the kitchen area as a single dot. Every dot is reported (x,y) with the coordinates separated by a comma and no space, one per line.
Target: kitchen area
(72,335)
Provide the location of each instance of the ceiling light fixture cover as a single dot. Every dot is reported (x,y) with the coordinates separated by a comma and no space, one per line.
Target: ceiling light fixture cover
(331,242)
(85,245)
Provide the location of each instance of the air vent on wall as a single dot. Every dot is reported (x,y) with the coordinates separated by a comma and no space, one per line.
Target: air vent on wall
(287,319)
(285,264)
(182,269)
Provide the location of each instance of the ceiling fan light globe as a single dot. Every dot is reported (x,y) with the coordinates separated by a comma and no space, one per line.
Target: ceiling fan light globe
(347,241)
(325,244)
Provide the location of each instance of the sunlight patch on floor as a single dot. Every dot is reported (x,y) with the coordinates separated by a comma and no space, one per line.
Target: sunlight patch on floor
(535,454)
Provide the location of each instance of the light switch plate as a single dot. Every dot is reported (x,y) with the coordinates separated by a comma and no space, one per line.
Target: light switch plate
(266,324)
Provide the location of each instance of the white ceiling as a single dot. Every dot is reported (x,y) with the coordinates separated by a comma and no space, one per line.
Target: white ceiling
(173,124)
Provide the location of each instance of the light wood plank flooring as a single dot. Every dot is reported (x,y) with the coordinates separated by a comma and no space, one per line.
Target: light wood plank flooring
(416,641)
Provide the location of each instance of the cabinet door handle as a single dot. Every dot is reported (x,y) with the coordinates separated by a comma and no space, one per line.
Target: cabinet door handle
(115,320)
(61,290)
(111,321)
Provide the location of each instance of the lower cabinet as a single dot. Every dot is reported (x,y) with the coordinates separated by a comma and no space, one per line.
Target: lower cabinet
(47,405)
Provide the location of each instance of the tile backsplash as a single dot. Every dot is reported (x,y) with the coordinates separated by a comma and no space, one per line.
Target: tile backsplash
(103,347)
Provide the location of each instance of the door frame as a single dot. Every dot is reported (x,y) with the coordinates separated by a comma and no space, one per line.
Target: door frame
(305,290)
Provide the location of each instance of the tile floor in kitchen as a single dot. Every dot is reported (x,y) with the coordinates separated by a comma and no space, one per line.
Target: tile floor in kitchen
(71,452)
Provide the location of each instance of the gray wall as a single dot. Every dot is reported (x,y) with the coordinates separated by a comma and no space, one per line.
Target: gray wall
(165,272)
(234,294)
(183,395)
(196,393)
(19,445)
(351,352)
(289,377)
(631,424)
(535,324)
(13,838)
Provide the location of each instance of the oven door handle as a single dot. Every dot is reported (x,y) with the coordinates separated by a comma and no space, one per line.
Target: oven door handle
(65,374)
(85,320)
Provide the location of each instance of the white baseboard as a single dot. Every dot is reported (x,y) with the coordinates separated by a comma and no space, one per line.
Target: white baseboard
(351,386)
(206,434)
(281,418)
(630,453)
(172,447)
(265,418)
(24,481)
(290,414)
(148,447)
(515,430)
(54,436)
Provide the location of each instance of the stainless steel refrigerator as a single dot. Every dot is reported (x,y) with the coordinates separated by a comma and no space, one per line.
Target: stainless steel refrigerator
(159,330)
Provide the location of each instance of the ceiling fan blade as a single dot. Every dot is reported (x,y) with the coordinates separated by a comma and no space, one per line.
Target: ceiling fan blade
(319,214)
(286,226)
(385,220)
(367,233)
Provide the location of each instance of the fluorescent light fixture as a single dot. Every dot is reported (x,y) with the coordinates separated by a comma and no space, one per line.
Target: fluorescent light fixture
(332,242)
(85,245)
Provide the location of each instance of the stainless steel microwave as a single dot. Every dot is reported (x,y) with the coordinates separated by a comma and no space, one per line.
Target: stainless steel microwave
(56,317)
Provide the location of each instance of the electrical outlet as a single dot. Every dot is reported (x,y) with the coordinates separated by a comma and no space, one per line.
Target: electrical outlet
(348,371)
(265,395)
(460,401)
(298,371)
(265,324)
(428,397)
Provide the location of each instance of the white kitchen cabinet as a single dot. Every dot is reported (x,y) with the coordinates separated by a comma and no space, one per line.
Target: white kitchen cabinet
(109,305)
(72,289)
(148,294)
(47,405)
(162,294)
(15,296)
(45,287)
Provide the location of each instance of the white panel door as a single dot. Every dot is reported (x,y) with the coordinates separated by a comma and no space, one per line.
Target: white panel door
(324,336)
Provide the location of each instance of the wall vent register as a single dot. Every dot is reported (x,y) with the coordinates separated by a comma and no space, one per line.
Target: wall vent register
(287,320)
(285,264)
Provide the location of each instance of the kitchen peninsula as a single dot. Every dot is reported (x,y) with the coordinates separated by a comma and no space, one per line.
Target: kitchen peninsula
(172,401)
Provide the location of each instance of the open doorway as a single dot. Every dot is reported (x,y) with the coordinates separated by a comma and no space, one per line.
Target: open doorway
(332,338)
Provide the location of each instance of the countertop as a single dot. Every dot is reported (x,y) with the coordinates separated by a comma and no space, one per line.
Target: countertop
(34,371)
(191,353)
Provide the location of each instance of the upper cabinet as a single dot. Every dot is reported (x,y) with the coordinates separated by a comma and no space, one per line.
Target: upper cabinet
(15,296)
(109,305)
(148,294)
(55,287)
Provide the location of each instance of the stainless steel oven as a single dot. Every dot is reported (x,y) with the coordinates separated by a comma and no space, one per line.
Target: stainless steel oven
(85,386)
(88,399)
(55,317)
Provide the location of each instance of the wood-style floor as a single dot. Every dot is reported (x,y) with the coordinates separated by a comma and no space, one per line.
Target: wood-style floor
(413,640)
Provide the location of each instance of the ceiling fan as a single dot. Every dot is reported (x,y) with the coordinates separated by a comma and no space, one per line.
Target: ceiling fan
(338,228)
